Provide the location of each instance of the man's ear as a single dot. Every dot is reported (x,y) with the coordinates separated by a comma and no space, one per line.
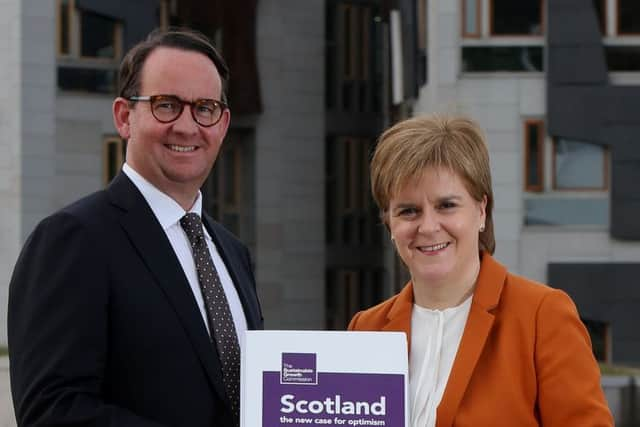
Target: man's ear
(224,122)
(121,114)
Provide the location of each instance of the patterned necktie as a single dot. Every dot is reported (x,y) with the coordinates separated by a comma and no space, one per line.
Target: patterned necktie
(221,326)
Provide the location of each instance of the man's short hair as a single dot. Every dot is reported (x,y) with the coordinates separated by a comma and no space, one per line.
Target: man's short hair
(178,38)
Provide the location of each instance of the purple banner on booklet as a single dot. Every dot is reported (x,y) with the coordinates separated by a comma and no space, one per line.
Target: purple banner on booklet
(306,397)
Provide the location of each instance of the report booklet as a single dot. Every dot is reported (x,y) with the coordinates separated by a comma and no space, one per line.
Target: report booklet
(324,378)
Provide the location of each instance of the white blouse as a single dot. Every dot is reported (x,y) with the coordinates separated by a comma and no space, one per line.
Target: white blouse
(435,337)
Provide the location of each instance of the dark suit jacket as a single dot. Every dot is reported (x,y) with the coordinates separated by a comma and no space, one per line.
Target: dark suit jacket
(103,326)
(524,358)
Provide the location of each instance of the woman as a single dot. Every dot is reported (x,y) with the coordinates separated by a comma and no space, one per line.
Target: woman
(486,347)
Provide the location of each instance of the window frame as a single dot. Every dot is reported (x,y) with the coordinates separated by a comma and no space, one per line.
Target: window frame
(539,188)
(618,32)
(463,20)
(74,42)
(605,171)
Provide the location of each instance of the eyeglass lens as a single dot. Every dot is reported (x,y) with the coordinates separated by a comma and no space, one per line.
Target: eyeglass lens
(205,112)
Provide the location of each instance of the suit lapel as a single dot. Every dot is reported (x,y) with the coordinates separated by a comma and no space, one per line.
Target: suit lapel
(238,273)
(150,241)
(486,297)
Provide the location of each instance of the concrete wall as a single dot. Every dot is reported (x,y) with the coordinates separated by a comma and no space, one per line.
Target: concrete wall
(38,88)
(290,163)
(82,121)
(10,147)
(27,127)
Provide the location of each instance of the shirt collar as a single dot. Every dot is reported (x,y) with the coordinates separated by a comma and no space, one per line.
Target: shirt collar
(167,211)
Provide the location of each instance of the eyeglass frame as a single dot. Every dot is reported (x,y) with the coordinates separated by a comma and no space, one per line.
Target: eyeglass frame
(151,98)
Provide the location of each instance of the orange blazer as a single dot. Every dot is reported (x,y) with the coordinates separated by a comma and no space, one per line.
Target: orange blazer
(525,357)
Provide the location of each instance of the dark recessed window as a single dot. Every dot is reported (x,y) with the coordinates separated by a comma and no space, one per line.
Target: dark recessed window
(599,334)
(98,36)
(508,58)
(623,58)
(628,14)
(534,137)
(521,17)
(87,79)
(64,12)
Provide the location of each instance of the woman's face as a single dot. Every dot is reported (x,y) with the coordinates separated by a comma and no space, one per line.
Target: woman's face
(435,222)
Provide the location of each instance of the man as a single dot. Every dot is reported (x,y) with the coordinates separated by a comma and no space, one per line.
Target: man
(107,321)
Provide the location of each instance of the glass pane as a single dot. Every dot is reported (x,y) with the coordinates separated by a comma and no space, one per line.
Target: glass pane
(510,58)
(578,165)
(64,27)
(623,58)
(567,211)
(471,17)
(97,36)
(628,16)
(87,79)
(533,156)
(517,17)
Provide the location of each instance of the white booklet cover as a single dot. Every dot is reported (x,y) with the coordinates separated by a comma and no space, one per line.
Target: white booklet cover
(324,378)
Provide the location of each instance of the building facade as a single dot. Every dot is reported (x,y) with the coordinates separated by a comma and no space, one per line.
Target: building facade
(554,84)
(59,63)
(314,82)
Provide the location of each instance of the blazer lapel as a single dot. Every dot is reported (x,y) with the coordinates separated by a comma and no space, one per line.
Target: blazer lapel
(400,313)
(239,274)
(486,297)
(154,248)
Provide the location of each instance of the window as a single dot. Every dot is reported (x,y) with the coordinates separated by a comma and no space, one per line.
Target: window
(114,151)
(497,58)
(224,188)
(617,17)
(534,139)
(348,291)
(566,182)
(422,34)
(228,193)
(628,17)
(89,49)
(522,17)
(471,18)
(579,165)
(502,36)
(623,58)
(600,339)
(354,62)
(351,216)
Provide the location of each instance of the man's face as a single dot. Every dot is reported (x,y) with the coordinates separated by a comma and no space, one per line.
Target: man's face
(175,157)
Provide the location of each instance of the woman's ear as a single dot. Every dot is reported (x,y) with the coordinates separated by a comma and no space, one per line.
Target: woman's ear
(483,210)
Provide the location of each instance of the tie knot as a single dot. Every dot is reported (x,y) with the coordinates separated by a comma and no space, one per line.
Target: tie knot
(192,226)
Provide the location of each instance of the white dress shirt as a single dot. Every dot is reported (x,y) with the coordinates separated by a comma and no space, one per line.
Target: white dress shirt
(168,212)
(435,338)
